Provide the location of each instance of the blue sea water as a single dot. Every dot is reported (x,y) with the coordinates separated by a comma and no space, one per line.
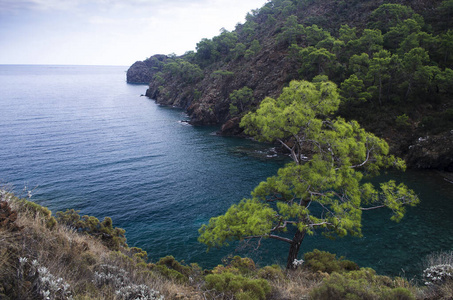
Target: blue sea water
(81,137)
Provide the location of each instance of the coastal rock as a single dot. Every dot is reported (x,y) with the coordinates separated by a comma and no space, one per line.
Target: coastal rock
(231,127)
(142,72)
(138,73)
(432,152)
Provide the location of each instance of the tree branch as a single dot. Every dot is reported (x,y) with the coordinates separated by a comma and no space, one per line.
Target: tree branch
(371,208)
(364,162)
(320,224)
(280,238)
(271,236)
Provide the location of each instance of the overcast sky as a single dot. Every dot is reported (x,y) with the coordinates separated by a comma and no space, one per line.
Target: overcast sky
(110,32)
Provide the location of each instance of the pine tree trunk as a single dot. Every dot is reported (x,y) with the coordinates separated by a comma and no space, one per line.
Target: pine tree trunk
(294,249)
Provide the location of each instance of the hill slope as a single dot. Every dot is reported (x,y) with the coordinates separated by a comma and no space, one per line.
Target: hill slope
(392,60)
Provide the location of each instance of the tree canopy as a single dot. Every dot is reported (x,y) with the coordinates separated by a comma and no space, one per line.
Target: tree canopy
(322,189)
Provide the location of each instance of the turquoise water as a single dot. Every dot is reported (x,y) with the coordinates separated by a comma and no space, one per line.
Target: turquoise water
(81,137)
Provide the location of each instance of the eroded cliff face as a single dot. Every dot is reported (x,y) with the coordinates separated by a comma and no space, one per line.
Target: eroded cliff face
(143,71)
(207,102)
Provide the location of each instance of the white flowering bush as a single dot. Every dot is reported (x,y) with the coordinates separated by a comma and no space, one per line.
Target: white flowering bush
(110,275)
(137,292)
(125,289)
(438,274)
(46,285)
(298,262)
(5,196)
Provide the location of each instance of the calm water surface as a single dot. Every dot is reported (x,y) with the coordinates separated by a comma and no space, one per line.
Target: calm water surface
(82,138)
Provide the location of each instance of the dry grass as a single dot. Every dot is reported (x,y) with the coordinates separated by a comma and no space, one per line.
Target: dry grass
(76,258)
(71,256)
(297,284)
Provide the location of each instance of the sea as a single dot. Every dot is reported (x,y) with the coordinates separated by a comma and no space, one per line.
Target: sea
(81,137)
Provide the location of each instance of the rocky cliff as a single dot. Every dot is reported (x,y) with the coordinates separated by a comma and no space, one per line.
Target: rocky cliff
(264,54)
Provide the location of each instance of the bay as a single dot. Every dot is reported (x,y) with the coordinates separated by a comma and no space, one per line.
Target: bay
(81,137)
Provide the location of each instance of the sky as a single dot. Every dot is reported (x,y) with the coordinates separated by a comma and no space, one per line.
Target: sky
(110,32)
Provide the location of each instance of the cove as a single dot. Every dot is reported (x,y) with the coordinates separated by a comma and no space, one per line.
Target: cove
(81,137)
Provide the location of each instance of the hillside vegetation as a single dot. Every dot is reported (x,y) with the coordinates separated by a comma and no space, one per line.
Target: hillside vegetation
(69,256)
(392,61)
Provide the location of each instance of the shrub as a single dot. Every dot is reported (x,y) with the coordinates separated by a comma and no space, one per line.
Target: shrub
(118,279)
(35,210)
(45,284)
(238,286)
(139,253)
(273,272)
(438,275)
(245,265)
(402,121)
(222,73)
(363,284)
(112,237)
(327,262)
(170,268)
(240,100)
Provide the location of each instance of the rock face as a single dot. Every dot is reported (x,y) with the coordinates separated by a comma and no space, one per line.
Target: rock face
(207,101)
(138,73)
(432,152)
(142,71)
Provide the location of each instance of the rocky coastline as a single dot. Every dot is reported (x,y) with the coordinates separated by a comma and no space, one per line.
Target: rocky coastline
(419,129)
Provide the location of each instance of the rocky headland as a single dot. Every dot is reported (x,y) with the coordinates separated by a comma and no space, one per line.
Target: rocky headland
(262,55)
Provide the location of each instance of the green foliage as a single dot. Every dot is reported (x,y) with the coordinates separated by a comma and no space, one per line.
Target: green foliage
(314,35)
(445,13)
(327,262)
(240,100)
(370,41)
(254,48)
(206,52)
(247,218)
(186,71)
(316,61)
(112,237)
(245,265)
(292,31)
(222,73)
(238,286)
(212,50)
(389,15)
(225,41)
(273,272)
(353,90)
(139,253)
(358,64)
(35,210)
(322,188)
(402,121)
(363,284)
(238,51)
(169,267)
(380,70)
(347,33)
(236,265)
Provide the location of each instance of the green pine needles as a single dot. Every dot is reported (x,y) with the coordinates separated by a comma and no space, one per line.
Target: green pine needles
(322,189)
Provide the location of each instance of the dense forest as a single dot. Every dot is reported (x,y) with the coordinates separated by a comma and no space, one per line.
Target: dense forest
(392,62)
